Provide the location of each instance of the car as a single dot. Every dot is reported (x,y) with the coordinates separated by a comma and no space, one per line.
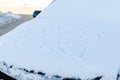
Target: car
(36,13)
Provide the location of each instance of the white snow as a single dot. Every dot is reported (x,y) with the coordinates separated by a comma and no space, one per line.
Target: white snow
(71,38)
(17,73)
(7,18)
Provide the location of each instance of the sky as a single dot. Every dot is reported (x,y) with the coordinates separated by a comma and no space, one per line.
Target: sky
(28,3)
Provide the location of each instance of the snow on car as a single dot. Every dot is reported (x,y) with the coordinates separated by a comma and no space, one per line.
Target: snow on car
(70,38)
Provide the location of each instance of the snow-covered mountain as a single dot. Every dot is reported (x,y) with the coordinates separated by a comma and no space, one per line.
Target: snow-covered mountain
(70,38)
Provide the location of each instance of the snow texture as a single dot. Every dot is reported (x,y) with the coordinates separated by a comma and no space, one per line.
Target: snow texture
(23,74)
(70,38)
(7,18)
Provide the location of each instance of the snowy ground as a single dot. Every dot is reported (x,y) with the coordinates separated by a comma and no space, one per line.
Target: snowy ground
(5,27)
(80,41)
(7,18)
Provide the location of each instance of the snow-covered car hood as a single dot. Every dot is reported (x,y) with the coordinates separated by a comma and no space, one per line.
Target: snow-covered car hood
(69,38)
